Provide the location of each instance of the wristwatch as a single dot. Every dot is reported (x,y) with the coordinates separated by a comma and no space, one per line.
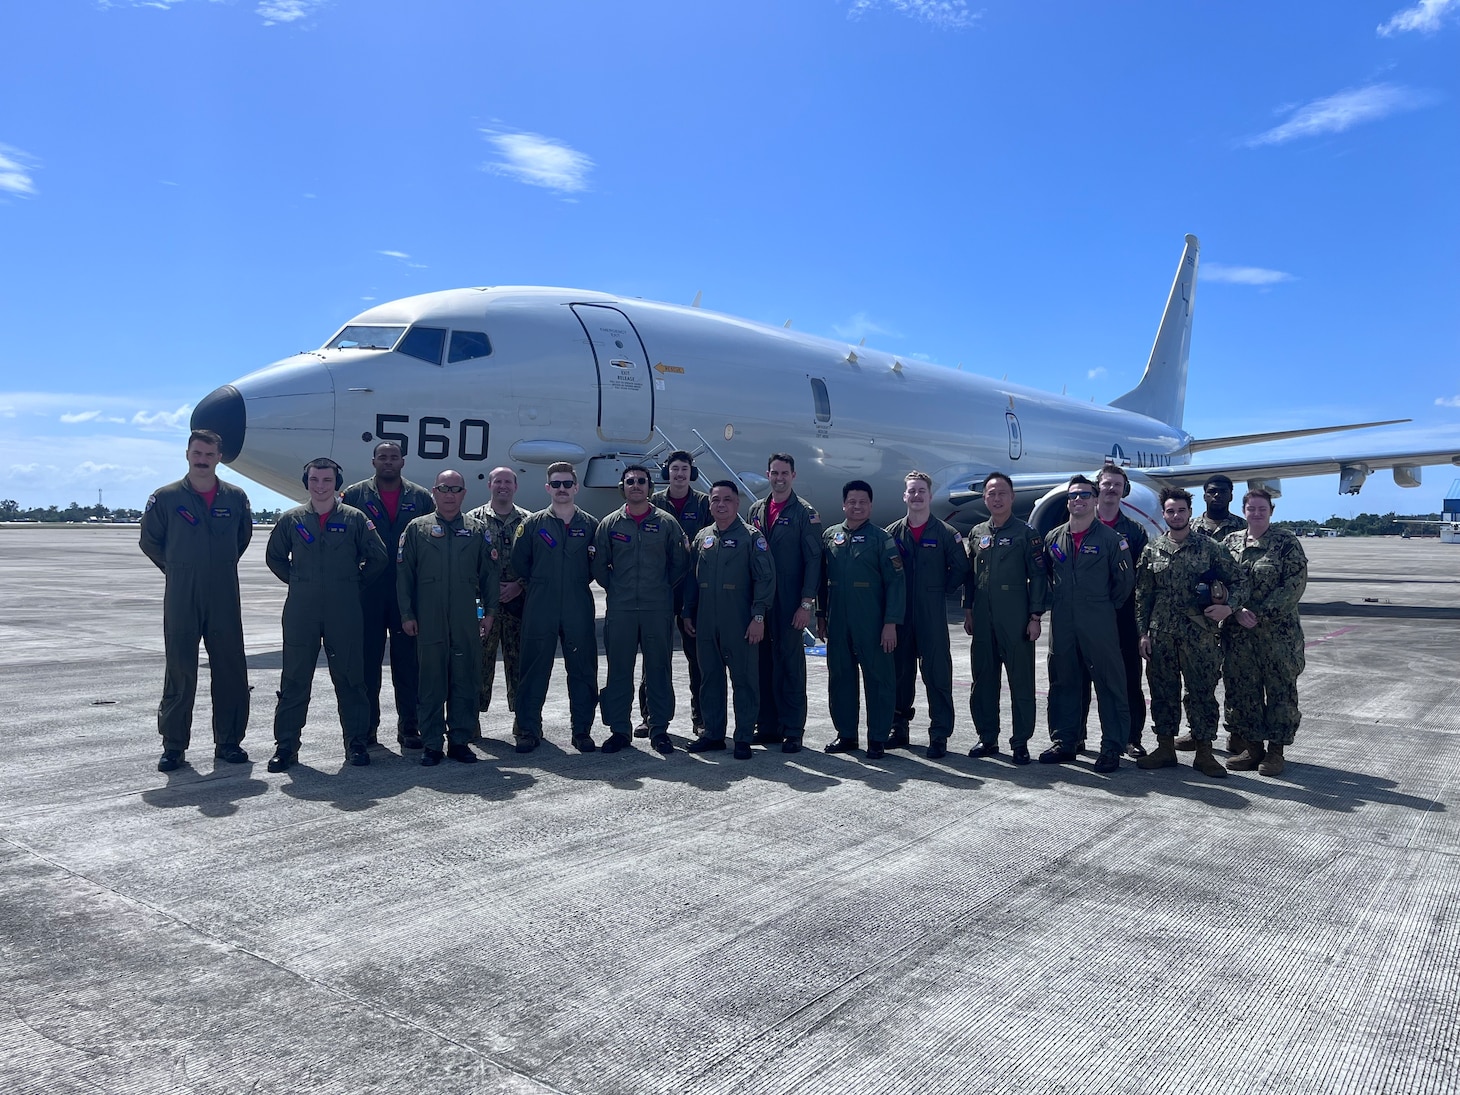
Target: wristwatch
(757,619)
(808,605)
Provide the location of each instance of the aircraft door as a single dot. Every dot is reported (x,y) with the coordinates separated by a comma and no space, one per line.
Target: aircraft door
(625,390)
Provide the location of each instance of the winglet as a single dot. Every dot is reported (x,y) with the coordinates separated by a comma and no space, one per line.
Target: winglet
(699,293)
(1161,394)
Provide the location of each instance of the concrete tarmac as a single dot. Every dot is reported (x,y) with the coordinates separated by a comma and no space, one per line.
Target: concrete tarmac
(694,924)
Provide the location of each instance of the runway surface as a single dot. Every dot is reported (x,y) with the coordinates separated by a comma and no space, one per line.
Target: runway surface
(692,924)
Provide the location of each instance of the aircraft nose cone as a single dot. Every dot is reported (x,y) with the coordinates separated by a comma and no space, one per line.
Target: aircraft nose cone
(222,412)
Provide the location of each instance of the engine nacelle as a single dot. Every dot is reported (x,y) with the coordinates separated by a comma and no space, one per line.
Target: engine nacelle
(1140,505)
(1351,478)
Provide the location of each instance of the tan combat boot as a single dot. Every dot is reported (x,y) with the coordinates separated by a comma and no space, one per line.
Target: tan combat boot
(1205,763)
(1163,756)
(1186,743)
(1272,763)
(1236,744)
(1250,758)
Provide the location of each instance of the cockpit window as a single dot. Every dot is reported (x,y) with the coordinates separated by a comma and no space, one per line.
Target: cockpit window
(365,338)
(466,345)
(425,343)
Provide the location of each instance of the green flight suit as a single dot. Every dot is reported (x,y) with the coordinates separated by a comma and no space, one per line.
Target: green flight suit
(1130,639)
(862,590)
(442,568)
(640,563)
(197,548)
(795,543)
(1262,663)
(934,565)
(555,559)
(506,632)
(731,580)
(694,516)
(380,607)
(1184,643)
(1086,585)
(1007,585)
(325,564)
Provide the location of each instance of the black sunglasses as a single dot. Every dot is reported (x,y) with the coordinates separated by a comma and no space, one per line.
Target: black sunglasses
(636,481)
(1082,494)
(445,488)
(562,484)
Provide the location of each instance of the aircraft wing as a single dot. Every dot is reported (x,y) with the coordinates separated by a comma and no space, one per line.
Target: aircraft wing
(1352,470)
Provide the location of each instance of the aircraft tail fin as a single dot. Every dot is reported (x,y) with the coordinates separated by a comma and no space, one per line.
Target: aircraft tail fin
(1161,394)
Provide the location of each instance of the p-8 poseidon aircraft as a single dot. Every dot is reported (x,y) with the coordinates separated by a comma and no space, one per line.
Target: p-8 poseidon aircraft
(525,376)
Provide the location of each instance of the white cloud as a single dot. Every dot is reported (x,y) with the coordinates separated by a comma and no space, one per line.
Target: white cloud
(163,420)
(1448,401)
(1425,17)
(1343,110)
(952,14)
(1097,373)
(394,254)
(861,325)
(15,172)
(286,11)
(539,161)
(1242,275)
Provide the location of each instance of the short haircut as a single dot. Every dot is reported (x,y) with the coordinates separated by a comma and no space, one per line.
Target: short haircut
(1218,478)
(784,457)
(679,455)
(208,437)
(321,462)
(505,468)
(1260,492)
(1113,469)
(635,467)
(921,476)
(561,467)
(1177,494)
(856,484)
(1079,480)
(382,444)
(991,476)
(728,484)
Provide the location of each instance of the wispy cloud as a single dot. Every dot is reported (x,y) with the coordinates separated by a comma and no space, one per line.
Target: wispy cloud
(1242,275)
(96,410)
(286,11)
(15,172)
(394,254)
(1343,110)
(538,161)
(1098,373)
(164,420)
(861,325)
(1425,17)
(950,14)
(1448,401)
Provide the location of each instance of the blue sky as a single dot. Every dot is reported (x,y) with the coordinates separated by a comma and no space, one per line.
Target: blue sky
(190,189)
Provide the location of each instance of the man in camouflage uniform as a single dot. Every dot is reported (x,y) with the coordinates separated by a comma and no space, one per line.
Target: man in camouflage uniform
(1178,613)
(639,558)
(729,589)
(1262,645)
(445,563)
(934,563)
(502,515)
(391,502)
(195,531)
(1005,597)
(1218,521)
(325,552)
(792,528)
(863,599)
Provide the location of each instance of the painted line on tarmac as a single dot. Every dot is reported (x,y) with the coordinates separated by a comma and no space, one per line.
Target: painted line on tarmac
(1330,635)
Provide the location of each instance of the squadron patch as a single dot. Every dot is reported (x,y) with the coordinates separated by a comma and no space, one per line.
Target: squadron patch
(151,501)
(897,562)
(760,544)
(708,542)
(437,531)
(984,542)
(839,538)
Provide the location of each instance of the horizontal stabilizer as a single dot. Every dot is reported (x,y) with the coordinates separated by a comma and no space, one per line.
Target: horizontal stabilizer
(1205,443)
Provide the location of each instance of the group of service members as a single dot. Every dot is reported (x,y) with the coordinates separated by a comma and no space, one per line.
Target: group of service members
(1211,598)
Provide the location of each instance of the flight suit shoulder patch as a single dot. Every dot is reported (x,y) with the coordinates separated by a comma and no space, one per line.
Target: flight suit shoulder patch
(437,532)
(151,501)
(839,538)
(985,542)
(708,541)
(760,544)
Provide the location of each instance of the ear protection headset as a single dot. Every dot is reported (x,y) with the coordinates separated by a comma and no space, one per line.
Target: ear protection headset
(1125,479)
(339,473)
(694,473)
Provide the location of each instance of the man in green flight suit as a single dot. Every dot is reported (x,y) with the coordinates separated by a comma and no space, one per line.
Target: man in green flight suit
(863,598)
(729,589)
(792,528)
(1004,600)
(392,502)
(934,563)
(553,554)
(195,531)
(445,563)
(326,552)
(639,557)
(1178,611)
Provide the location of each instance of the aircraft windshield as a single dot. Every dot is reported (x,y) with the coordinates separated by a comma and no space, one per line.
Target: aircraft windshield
(365,338)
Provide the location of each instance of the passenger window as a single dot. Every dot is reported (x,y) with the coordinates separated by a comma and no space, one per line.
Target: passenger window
(425,343)
(466,345)
(822,400)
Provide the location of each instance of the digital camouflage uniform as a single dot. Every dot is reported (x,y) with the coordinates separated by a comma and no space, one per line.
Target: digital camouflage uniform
(1185,644)
(640,563)
(862,590)
(197,548)
(1007,584)
(506,633)
(1085,586)
(1130,637)
(379,606)
(555,560)
(795,545)
(934,566)
(1262,663)
(731,579)
(694,516)
(325,563)
(442,568)
(1219,530)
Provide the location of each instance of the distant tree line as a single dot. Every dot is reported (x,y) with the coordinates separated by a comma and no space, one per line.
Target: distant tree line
(1365,524)
(77,514)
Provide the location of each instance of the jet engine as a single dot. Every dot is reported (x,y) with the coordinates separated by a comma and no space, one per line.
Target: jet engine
(1140,505)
